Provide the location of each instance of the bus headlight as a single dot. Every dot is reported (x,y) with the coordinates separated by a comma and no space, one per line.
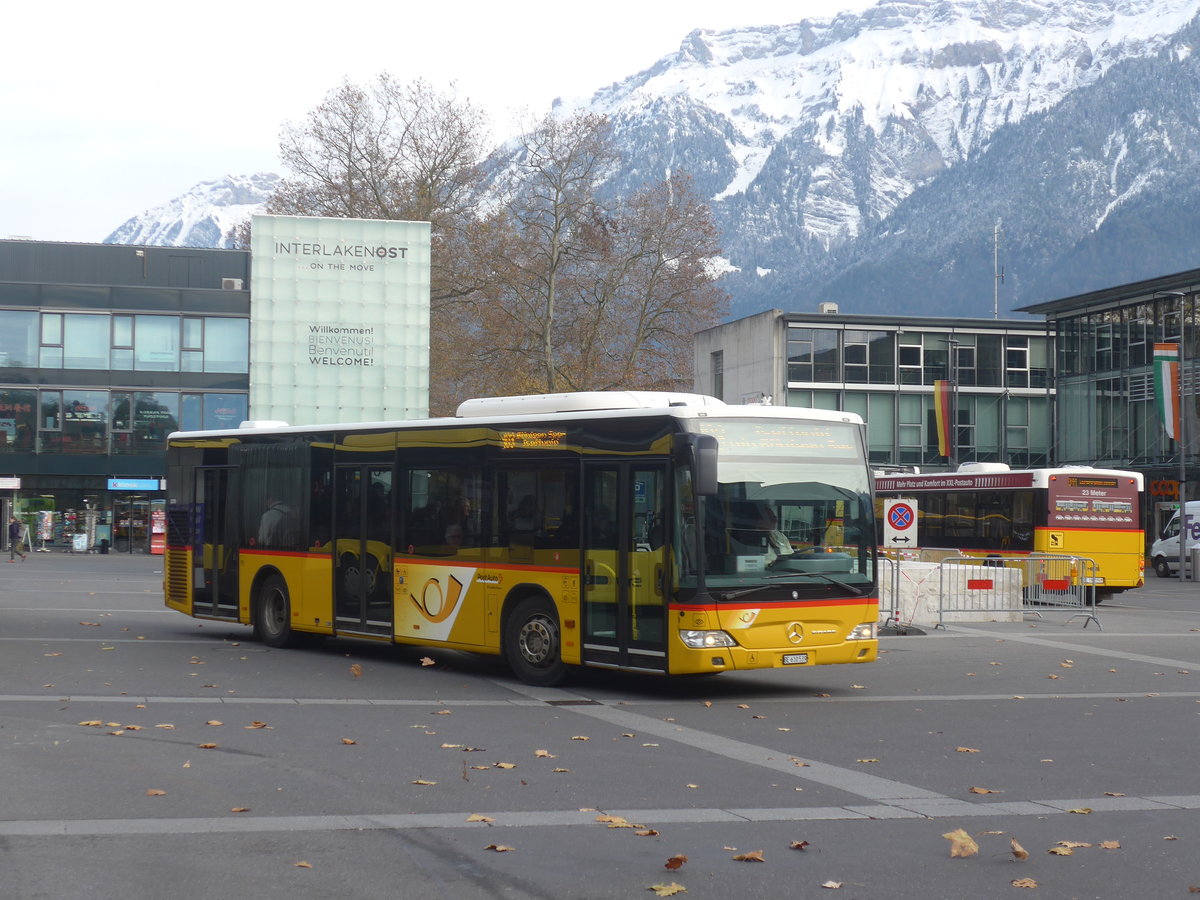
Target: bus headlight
(702,640)
(864,632)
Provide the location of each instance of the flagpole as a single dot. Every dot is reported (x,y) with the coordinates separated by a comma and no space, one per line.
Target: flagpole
(1183,520)
(1181,438)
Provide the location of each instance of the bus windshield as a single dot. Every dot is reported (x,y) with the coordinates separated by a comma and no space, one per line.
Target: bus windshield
(793,507)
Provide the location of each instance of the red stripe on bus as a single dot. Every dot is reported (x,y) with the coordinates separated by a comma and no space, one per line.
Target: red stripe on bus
(772,604)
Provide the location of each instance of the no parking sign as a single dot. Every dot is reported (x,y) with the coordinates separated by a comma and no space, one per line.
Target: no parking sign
(900,523)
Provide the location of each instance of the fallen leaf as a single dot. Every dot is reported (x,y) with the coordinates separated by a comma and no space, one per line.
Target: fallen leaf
(1018,851)
(214,722)
(96,624)
(562,770)
(442,712)
(979,790)
(499,848)
(165,726)
(451,746)
(1113,794)
(422,781)
(961,843)
(1025,883)
(506,765)
(256,724)
(1110,845)
(543,754)
(674,862)
(92,723)
(751,856)
(966,750)
(426,661)
(476,817)
(240,809)
(1061,851)
(208,746)
(832,885)
(859,687)
(1052,677)
(646,832)
(155,792)
(708,703)
(743,706)
(1083,810)
(873,760)
(667,890)
(798,845)
(581,737)
(1073,844)
(302,865)
(356,670)
(692,786)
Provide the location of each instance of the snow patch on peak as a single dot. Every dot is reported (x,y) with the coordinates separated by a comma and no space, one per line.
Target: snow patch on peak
(205,216)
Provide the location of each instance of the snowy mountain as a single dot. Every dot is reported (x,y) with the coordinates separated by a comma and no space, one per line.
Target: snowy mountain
(867,159)
(205,216)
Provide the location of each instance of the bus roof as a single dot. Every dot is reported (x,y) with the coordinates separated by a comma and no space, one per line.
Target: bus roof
(554,407)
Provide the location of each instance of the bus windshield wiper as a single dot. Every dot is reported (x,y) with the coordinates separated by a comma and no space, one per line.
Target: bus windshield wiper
(733,595)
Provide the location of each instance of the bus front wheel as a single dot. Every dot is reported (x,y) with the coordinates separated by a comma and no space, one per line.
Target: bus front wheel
(273,613)
(533,643)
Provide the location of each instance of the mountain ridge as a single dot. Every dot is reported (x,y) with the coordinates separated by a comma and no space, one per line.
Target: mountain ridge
(868,158)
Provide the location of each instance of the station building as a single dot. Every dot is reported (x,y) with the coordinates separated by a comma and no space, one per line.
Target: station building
(105,349)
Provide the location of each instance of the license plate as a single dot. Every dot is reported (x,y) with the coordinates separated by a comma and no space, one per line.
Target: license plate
(795,659)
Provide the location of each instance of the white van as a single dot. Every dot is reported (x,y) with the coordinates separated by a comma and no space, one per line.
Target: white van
(1164,555)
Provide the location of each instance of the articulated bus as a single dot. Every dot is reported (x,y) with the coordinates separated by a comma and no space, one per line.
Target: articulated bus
(988,509)
(610,529)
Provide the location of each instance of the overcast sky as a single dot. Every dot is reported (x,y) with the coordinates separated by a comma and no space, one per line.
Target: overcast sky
(107,110)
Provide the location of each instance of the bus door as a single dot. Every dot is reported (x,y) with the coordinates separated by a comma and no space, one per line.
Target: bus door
(362,540)
(624,565)
(215,544)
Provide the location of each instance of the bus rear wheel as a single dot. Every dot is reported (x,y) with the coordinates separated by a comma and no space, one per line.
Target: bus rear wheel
(273,613)
(533,643)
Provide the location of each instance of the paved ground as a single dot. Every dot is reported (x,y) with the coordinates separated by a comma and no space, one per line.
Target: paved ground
(146,754)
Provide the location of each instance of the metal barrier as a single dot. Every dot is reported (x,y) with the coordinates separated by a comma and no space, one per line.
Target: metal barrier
(1028,585)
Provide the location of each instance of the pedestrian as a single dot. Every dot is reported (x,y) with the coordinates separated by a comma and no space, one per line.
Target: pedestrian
(14,539)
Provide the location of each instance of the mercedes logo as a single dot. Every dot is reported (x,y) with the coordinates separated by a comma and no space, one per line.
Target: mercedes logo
(795,632)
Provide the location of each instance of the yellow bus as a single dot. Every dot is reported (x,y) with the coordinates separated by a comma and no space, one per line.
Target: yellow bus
(611,529)
(988,509)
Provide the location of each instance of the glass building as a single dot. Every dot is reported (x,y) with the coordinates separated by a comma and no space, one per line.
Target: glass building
(1106,414)
(104,350)
(884,368)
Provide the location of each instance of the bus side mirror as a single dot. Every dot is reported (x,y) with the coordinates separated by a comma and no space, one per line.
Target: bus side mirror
(700,451)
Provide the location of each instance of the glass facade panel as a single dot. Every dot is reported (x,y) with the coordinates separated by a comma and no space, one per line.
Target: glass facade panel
(191,416)
(18,420)
(155,415)
(156,344)
(225,410)
(18,338)
(85,422)
(85,341)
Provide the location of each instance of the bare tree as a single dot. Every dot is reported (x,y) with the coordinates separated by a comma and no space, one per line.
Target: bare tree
(553,199)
